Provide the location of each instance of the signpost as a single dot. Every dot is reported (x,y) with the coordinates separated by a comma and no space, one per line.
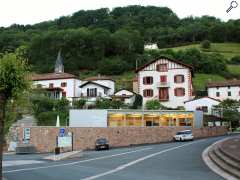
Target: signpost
(64,140)
(62,132)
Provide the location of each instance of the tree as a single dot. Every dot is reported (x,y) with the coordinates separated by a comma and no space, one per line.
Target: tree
(154,105)
(235,60)
(79,103)
(206,44)
(229,111)
(13,82)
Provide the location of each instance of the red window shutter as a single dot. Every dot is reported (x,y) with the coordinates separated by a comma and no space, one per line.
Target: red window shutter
(163,78)
(144,80)
(63,94)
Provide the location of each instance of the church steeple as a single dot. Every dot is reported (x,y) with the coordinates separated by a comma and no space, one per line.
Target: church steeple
(59,68)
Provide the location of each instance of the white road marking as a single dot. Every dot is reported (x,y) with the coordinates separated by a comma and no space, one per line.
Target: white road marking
(73,163)
(119,168)
(20,162)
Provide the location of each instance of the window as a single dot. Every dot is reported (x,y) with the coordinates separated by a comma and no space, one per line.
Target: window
(229,93)
(63,84)
(51,85)
(64,94)
(179,78)
(92,92)
(162,67)
(179,92)
(217,94)
(39,86)
(229,87)
(163,79)
(148,93)
(148,80)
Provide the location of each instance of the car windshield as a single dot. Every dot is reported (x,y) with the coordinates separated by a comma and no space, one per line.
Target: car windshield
(101,141)
(183,132)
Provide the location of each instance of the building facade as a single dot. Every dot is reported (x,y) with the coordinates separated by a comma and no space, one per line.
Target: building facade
(204,104)
(166,80)
(126,96)
(224,90)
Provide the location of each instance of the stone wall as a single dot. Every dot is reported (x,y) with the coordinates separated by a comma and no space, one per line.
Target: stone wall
(44,138)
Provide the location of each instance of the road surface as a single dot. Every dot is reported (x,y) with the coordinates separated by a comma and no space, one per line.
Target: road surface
(166,161)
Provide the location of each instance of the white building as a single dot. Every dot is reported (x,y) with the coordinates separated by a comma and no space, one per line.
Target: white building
(204,104)
(128,97)
(58,84)
(166,80)
(224,90)
(97,87)
(151,46)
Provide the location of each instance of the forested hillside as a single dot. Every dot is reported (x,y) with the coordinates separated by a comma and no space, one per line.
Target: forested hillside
(110,42)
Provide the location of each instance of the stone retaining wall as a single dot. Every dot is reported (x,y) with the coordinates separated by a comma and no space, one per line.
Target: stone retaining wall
(44,138)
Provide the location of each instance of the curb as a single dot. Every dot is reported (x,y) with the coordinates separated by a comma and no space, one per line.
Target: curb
(62,156)
(213,166)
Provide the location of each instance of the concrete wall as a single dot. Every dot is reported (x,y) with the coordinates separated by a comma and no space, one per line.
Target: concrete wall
(44,138)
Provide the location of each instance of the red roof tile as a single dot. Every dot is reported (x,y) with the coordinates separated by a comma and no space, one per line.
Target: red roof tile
(224,83)
(52,76)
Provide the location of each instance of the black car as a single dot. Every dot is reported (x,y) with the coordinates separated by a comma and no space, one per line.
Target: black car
(101,143)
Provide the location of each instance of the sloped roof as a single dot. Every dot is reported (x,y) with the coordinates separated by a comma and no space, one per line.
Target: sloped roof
(163,57)
(95,78)
(202,98)
(97,84)
(52,76)
(224,83)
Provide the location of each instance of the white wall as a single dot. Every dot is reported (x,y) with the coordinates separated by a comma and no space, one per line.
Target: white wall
(193,105)
(174,101)
(224,93)
(72,89)
(88,118)
(108,83)
(100,90)
(122,92)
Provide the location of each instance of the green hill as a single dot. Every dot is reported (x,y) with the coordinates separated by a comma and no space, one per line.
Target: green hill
(228,50)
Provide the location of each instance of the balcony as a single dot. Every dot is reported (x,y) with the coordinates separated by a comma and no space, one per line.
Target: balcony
(163,84)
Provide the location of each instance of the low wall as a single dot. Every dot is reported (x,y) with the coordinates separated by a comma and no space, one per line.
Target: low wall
(44,138)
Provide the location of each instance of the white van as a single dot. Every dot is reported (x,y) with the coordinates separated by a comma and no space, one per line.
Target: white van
(183,136)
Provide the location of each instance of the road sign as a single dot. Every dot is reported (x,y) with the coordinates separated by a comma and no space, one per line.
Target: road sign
(61,132)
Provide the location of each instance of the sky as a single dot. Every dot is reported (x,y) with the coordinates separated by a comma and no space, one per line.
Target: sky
(35,11)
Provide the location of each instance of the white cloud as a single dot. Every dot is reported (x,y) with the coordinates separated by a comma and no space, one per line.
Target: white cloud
(34,11)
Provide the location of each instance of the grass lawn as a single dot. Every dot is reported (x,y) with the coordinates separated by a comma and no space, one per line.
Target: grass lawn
(235,69)
(200,80)
(228,50)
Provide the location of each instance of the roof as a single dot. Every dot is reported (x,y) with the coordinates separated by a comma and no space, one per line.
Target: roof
(52,76)
(224,83)
(91,82)
(163,57)
(95,78)
(202,98)
(124,90)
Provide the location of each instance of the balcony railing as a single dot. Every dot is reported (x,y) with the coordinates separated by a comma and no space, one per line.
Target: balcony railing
(163,84)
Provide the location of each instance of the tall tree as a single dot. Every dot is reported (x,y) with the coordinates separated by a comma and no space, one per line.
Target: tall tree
(13,82)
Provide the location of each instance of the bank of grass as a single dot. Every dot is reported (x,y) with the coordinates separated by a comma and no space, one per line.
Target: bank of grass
(228,50)
(234,69)
(200,80)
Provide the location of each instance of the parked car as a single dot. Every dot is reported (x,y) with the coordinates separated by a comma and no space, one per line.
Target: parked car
(183,135)
(101,143)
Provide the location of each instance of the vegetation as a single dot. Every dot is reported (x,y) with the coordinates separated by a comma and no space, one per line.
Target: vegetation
(206,44)
(235,60)
(13,81)
(79,104)
(109,104)
(154,105)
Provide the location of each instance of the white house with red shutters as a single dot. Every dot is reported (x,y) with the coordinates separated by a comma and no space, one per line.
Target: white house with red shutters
(58,84)
(166,80)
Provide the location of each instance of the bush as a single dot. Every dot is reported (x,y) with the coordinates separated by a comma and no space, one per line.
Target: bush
(48,118)
(79,104)
(154,105)
(235,60)
(206,44)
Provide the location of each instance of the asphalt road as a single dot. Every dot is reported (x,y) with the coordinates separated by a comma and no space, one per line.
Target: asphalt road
(168,161)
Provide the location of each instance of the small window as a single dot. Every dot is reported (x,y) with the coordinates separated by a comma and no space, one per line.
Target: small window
(204,108)
(163,79)
(63,84)
(148,80)
(162,67)
(179,78)
(229,93)
(51,85)
(39,86)
(217,94)
(148,93)
(229,87)
(179,92)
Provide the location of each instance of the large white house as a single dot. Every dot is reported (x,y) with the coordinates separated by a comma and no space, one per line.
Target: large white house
(224,90)
(58,84)
(166,80)
(204,104)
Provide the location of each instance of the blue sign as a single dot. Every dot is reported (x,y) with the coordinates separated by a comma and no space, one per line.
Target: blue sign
(61,132)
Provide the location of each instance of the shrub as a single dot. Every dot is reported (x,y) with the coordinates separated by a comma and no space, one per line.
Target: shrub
(79,104)
(206,44)
(154,105)
(48,118)
(235,60)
